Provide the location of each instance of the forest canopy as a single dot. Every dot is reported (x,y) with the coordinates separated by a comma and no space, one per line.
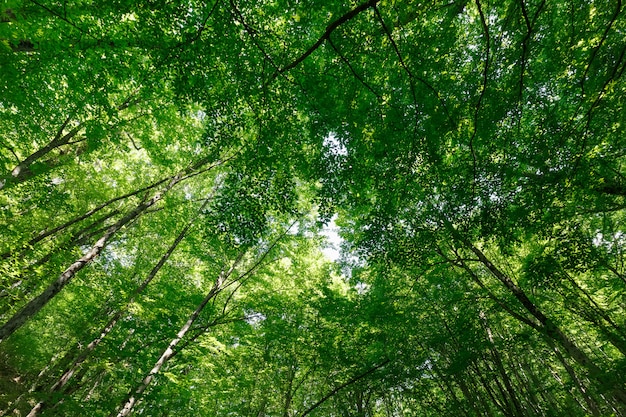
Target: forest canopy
(169,172)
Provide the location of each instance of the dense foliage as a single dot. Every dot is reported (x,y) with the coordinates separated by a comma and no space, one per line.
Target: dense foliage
(167,169)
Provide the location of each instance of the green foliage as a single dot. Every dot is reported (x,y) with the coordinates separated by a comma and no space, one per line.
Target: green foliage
(158,155)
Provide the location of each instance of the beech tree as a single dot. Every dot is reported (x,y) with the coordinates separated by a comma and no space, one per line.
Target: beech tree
(168,172)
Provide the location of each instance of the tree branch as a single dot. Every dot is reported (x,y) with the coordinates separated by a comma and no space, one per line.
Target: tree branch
(594,53)
(483,21)
(338,388)
(356,75)
(329,30)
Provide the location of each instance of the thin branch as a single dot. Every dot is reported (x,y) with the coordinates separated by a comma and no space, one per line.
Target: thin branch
(137,148)
(615,74)
(202,26)
(356,75)
(329,30)
(17,159)
(410,73)
(483,21)
(605,35)
(63,18)
(248,273)
(45,234)
(253,34)
(76,141)
(529,30)
(338,388)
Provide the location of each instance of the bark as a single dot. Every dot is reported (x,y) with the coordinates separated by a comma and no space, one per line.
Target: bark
(169,351)
(25,285)
(527,390)
(289,392)
(534,385)
(167,354)
(493,297)
(615,271)
(22,171)
(37,303)
(71,370)
(443,381)
(548,327)
(499,401)
(458,378)
(591,315)
(462,263)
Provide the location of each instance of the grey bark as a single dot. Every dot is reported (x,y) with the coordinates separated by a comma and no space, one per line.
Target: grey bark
(71,370)
(37,303)
(169,352)
(549,328)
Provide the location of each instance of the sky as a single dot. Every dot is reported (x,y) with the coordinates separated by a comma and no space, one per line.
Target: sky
(331,232)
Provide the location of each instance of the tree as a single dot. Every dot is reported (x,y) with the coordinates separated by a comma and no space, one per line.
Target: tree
(471,152)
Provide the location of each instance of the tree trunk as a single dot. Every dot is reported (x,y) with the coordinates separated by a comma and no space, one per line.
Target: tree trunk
(469,395)
(594,313)
(500,367)
(549,328)
(499,401)
(527,389)
(69,371)
(169,352)
(36,304)
(134,395)
(591,403)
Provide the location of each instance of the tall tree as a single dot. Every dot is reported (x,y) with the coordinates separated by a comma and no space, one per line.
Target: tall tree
(472,151)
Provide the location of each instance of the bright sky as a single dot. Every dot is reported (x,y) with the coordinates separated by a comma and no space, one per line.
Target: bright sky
(331,231)
(333,241)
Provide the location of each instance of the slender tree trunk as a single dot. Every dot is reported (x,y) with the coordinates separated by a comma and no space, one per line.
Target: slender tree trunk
(537,387)
(480,380)
(519,411)
(134,395)
(459,377)
(524,385)
(549,328)
(36,304)
(587,313)
(289,392)
(26,285)
(443,381)
(591,403)
(69,371)
(469,395)
(594,313)
(167,354)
